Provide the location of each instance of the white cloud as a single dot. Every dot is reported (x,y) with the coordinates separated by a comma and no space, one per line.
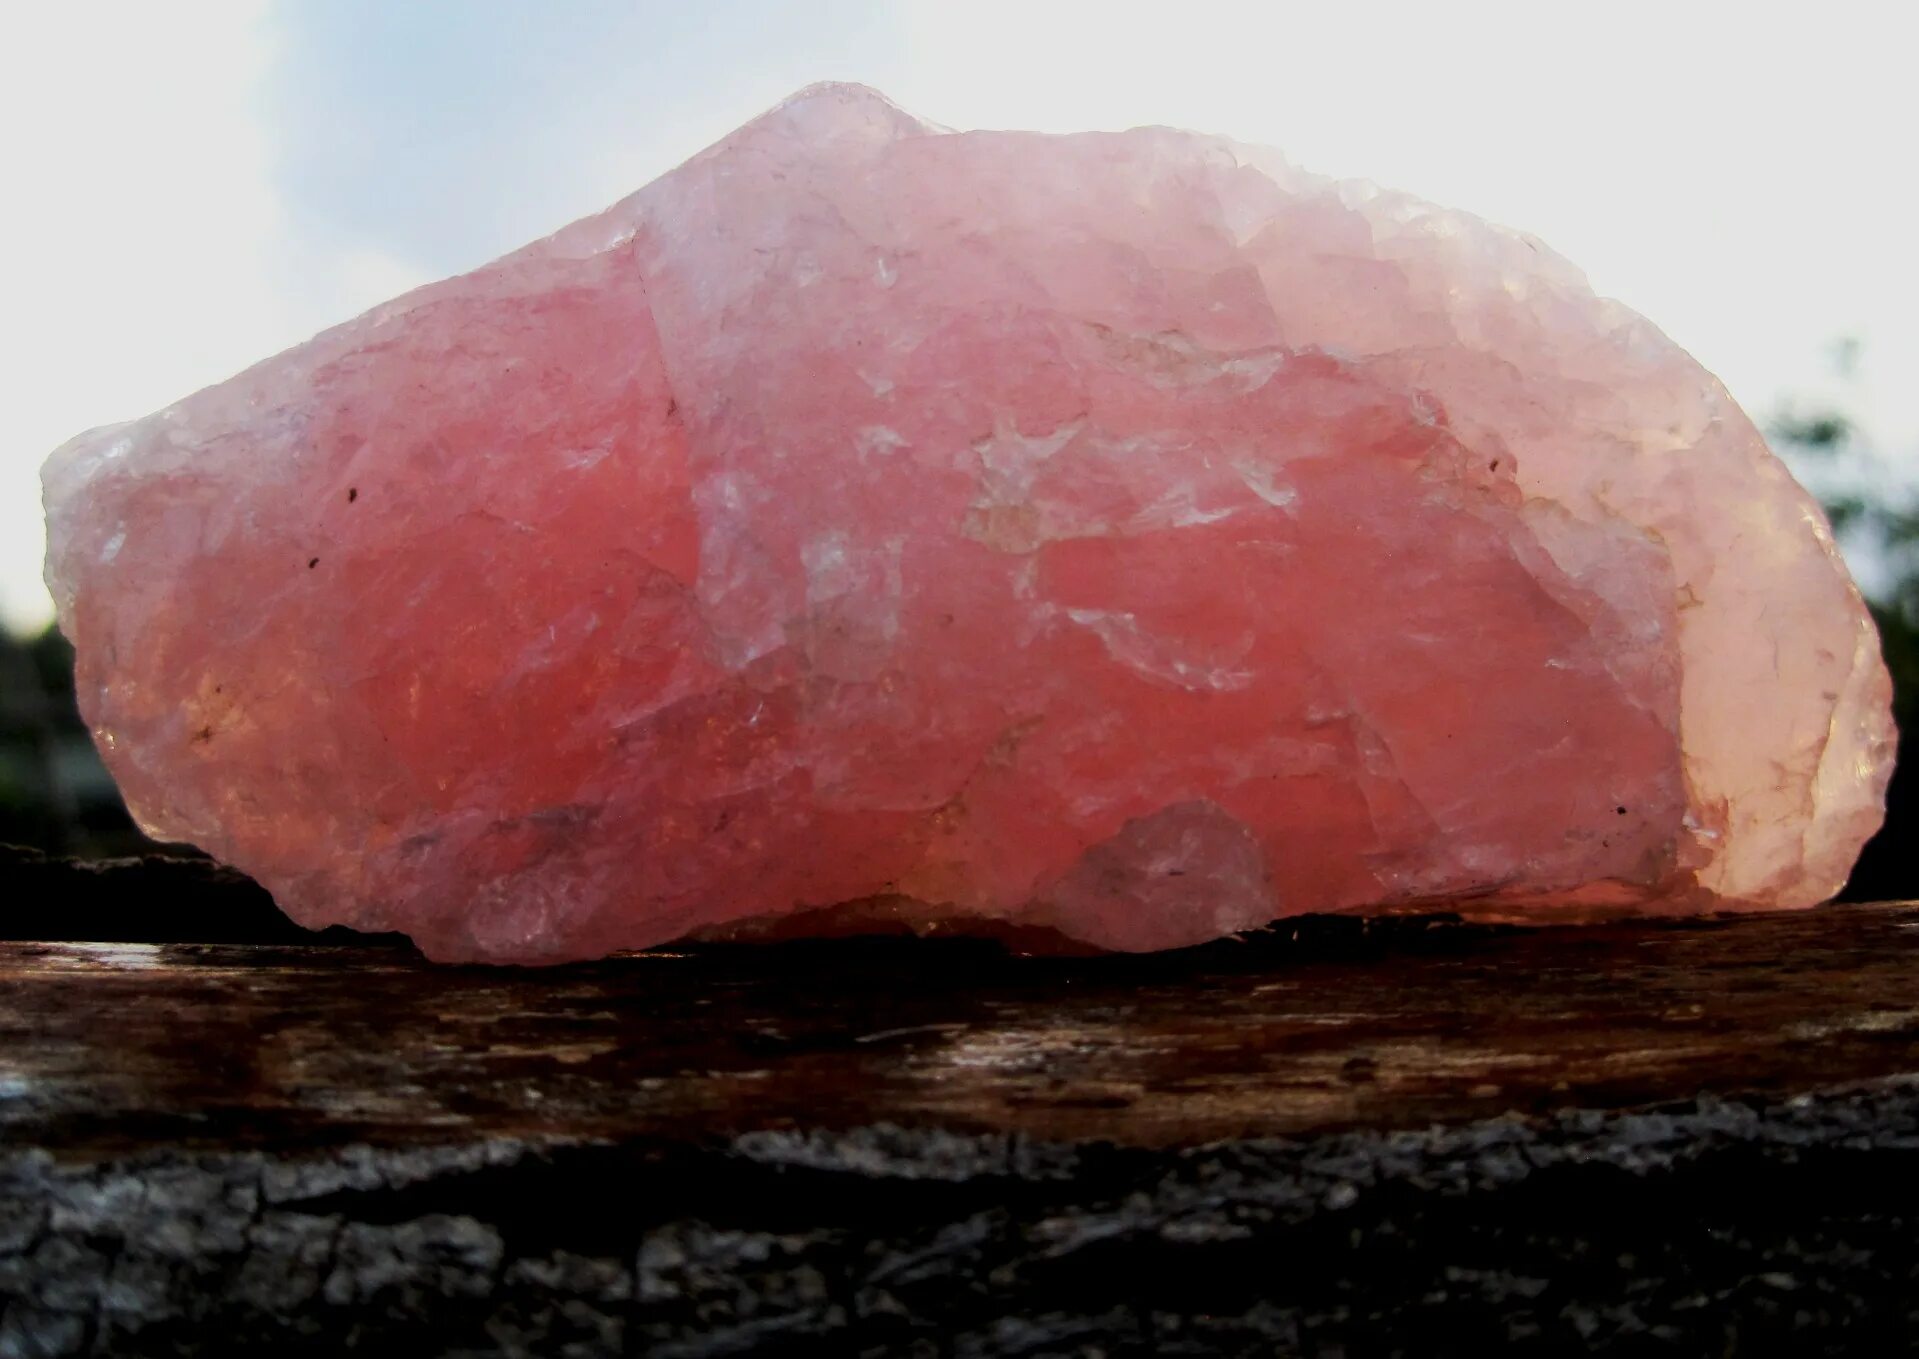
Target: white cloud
(365,278)
(1737,172)
(136,248)
(144,252)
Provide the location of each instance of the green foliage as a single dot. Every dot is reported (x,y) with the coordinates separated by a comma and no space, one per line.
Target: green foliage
(1879,526)
(1824,430)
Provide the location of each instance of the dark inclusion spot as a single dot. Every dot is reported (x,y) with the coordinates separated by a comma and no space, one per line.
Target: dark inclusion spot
(1620,810)
(352,494)
(313,562)
(204,734)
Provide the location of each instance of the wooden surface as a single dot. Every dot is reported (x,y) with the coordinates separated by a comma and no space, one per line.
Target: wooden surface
(1336,1137)
(1328,1025)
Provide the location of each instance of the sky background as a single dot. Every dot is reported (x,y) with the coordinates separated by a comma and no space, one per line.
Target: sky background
(195,185)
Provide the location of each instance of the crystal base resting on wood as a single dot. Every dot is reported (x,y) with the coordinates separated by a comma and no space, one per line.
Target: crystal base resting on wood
(1124,535)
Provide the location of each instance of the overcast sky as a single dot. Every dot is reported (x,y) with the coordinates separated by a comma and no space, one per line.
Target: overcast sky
(194,185)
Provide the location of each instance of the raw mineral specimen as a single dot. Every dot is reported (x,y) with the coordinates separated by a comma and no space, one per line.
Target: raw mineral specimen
(1126,537)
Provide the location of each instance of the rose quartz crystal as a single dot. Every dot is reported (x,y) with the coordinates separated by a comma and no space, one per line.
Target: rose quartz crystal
(1124,536)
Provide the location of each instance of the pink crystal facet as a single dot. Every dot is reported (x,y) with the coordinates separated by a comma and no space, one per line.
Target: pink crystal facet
(1123,535)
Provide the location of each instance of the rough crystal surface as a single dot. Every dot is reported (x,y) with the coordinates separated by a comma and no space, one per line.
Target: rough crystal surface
(1124,535)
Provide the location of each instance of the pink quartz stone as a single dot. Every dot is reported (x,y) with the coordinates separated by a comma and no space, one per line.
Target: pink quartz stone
(1125,535)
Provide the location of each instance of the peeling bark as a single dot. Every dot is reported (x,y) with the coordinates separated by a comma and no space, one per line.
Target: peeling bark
(1709,1227)
(1333,1137)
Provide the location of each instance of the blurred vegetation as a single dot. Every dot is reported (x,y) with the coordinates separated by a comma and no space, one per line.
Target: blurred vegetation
(54,793)
(1878,524)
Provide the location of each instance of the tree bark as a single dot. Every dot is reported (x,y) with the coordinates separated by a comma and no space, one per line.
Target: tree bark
(1338,1136)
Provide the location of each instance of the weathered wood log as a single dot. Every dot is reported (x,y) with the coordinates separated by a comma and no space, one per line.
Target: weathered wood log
(1337,1136)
